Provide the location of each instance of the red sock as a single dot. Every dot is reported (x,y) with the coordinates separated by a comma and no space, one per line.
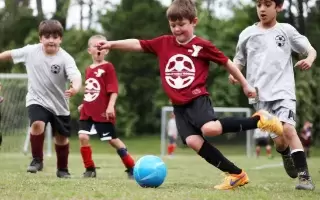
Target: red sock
(37,145)
(86,154)
(62,152)
(126,158)
(171,148)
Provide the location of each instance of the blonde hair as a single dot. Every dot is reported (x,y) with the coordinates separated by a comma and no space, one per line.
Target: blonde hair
(95,37)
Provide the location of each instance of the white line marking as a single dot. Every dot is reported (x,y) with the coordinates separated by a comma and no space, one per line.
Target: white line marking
(268,166)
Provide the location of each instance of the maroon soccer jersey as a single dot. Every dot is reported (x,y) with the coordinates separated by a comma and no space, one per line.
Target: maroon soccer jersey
(100,82)
(183,68)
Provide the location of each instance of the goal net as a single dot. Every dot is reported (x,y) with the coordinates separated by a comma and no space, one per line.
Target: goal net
(240,140)
(14,123)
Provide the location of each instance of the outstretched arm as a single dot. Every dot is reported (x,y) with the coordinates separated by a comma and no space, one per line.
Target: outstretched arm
(6,55)
(126,45)
(307,62)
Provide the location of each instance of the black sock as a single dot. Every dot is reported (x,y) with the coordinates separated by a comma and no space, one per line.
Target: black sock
(215,157)
(300,162)
(284,152)
(236,124)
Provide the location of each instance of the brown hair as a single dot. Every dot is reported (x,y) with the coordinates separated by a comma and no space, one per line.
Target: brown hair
(278,2)
(50,27)
(182,9)
(101,37)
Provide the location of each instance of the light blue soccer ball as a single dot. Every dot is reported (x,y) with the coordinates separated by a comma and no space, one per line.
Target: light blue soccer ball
(150,171)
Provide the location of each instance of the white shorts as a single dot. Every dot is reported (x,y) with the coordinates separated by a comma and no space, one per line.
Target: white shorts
(284,109)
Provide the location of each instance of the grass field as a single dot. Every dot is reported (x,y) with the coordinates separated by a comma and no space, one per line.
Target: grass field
(189,177)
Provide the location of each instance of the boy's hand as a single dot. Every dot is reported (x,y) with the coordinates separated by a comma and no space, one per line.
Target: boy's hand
(80,107)
(304,64)
(103,45)
(69,93)
(232,80)
(110,113)
(250,91)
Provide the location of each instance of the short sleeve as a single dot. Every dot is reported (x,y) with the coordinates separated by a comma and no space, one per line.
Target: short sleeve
(240,57)
(111,80)
(152,46)
(299,43)
(71,68)
(20,55)
(213,54)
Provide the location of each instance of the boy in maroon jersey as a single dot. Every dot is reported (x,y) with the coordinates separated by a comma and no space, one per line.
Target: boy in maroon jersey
(98,108)
(184,62)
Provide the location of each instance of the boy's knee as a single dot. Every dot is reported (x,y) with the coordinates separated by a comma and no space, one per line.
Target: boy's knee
(289,131)
(84,139)
(60,139)
(212,128)
(37,127)
(195,142)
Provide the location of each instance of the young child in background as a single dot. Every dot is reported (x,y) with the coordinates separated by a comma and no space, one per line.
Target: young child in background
(172,134)
(98,109)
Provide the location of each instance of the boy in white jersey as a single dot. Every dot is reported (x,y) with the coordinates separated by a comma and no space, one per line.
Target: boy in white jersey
(265,49)
(49,69)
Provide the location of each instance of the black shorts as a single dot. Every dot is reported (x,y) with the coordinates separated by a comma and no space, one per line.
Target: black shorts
(105,130)
(60,124)
(262,142)
(192,116)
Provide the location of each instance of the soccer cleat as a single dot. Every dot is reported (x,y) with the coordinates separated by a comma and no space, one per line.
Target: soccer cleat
(90,173)
(63,173)
(130,173)
(232,181)
(305,183)
(35,165)
(269,122)
(289,166)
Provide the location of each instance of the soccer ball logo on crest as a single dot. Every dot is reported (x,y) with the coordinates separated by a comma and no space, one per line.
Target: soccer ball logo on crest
(179,71)
(92,89)
(280,40)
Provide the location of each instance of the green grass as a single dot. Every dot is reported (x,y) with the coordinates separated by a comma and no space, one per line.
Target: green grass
(189,177)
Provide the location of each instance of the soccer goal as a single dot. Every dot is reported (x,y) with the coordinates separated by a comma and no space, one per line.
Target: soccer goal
(243,139)
(14,123)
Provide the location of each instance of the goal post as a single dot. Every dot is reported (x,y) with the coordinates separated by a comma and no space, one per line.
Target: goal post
(14,122)
(245,112)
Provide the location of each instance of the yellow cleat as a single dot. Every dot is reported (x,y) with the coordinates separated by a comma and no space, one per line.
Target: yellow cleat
(232,181)
(269,122)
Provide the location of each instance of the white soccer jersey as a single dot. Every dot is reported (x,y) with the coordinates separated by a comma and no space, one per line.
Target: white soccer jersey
(260,134)
(47,77)
(172,127)
(266,54)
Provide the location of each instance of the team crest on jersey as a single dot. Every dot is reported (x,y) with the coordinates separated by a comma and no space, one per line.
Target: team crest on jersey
(280,40)
(55,69)
(180,71)
(92,89)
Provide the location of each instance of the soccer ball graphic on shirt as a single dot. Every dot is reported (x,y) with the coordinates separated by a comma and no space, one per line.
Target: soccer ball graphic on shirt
(92,89)
(179,71)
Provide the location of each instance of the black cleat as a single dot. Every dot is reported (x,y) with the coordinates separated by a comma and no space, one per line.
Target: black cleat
(90,173)
(305,183)
(289,166)
(63,173)
(35,165)
(130,173)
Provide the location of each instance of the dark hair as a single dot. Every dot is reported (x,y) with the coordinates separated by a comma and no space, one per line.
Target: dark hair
(50,27)
(182,9)
(279,2)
